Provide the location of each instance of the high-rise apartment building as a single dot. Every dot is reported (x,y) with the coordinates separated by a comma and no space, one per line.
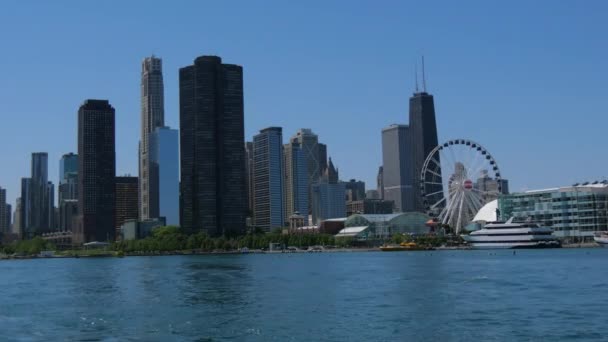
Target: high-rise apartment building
(96,172)
(212,156)
(25,231)
(127,200)
(163,175)
(268,181)
(152,117)
(296,180)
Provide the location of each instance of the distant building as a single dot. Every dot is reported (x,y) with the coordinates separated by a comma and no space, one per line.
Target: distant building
(152,117)
(249,176)
(133,229)
(397,173)
(41,196)
(268,181)
(380,180)
(127,200)
(328,196)
(16,229)
(491,187)
(315,157)
(96,172)
(355,190)
(4,213)
(573,212)
(68,213)
(212,157)
(296,180)
(68,177)
(25,231)
(163,177)
(372,194)
(369,206)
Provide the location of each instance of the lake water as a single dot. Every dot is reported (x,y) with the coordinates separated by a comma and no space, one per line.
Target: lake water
(405,296)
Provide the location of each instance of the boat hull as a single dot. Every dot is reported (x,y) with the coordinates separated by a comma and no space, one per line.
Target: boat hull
(514,245)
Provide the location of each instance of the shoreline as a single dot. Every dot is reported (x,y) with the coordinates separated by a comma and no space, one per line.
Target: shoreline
(114,254)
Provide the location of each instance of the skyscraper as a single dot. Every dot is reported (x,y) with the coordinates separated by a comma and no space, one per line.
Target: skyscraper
(355,190)
(249,176)
(296,180)
(40,209)
(268,181)
(380,182)
(328,196)
(68,177)
(316,157)
(25,231)
(4,213)
(211,147)
(423,135)
(163,173)
(68,191)
(127,203)
(96,172)
(397,170)
(152,117)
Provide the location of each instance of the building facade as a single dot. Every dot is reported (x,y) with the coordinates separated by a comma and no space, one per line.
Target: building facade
(355,190)
(573,212)
(369,206)
(268,179)
(249,176)
(212,137)
(328,196)
(68,177)
(163,174)
(96,172)
(296,181)
(127,201)
(423,135)
(152,117)
(316,157)
(397,170)
(5,214)
(41,196)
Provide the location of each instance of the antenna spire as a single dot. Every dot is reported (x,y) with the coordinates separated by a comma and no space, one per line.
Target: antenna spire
(423,76)
(416,73)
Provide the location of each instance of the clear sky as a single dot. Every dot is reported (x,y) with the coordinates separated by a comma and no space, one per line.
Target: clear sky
(526,79)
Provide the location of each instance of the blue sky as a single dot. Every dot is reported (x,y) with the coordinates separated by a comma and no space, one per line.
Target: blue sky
(526,79)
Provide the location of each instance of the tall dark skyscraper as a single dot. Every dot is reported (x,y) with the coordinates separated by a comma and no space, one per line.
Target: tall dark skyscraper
(5,213)
(423,131)
(268,179)
(96,172)
(213,186)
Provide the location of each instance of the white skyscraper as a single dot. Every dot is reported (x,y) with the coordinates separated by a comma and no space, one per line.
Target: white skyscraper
(152,116)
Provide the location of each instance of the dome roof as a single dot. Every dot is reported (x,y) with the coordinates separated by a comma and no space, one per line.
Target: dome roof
(487,213)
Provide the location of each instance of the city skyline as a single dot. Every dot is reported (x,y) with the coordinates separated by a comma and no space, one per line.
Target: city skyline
(496,82)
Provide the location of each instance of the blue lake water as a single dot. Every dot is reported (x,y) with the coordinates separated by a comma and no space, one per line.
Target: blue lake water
(404,296)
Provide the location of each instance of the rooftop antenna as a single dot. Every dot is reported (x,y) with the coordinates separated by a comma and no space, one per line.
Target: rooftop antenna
(423,76)
(416,73)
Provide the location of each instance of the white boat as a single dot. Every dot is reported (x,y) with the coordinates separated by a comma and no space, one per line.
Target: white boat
(496,235)
(601,238)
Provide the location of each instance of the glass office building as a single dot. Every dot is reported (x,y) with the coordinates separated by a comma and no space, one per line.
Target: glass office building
(163,182)
(573,212)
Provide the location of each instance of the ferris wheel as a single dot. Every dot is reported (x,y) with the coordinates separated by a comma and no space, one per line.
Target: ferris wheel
(457,179)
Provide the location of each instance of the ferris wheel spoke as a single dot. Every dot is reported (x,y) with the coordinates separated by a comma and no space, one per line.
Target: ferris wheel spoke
(434,193)
(458,224)
(434,173)
(443,199)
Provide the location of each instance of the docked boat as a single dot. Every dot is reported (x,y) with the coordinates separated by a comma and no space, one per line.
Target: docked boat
(601,238)
(404,246)
(500,235)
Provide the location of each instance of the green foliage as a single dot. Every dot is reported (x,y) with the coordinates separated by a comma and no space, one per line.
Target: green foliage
(29,247)
(175,239)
